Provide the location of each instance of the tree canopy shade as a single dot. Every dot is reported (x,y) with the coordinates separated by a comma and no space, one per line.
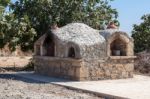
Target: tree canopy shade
(33,18)
(141,34)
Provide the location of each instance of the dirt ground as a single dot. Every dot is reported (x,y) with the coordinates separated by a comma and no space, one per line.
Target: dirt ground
(19,89)
(10,88)
(14,61)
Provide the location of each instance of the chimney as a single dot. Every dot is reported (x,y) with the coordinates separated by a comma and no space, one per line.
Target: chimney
(112,25)
(54,26)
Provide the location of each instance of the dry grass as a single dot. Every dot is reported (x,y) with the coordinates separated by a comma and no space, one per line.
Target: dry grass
(14,61)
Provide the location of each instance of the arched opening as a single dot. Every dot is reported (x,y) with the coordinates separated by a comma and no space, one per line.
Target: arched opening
(49,46)
(118,48)
(71,52)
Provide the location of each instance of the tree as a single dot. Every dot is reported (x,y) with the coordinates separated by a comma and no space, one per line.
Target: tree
(15,32)
(141,34)
(43,13)
(39,15)
(3,21)
(21,34)
(3,4)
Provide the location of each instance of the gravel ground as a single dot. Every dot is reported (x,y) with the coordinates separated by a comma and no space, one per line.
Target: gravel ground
(17,88)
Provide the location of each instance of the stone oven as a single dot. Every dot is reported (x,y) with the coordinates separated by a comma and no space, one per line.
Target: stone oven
(79,52)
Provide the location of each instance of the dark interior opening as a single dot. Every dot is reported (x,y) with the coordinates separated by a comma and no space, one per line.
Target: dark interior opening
(38,50)
(71,52)
(49,46)
(118,48)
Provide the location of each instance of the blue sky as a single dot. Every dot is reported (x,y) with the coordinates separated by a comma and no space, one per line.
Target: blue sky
(130,12)
(13,0)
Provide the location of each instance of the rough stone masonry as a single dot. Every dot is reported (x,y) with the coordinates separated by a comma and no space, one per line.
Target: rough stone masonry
(79,52)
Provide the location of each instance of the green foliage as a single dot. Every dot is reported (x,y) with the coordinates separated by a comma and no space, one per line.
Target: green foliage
(16,32)
(32,18)
(43,13)
(141,34)
(4,24)
(23,34)
(3,4)
(4,28)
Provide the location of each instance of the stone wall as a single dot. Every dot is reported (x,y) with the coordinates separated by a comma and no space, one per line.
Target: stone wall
(58,67)
(122,36)
(111,68)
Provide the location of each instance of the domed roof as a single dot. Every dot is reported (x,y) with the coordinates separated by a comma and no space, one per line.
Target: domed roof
(108,32)
(79,33)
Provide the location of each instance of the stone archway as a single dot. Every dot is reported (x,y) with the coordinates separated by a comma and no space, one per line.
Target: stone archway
(48,46)
(119,44)
(118,48)
(71,52)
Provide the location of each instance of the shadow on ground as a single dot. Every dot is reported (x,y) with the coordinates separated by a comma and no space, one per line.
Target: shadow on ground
(14,77)
(31,77)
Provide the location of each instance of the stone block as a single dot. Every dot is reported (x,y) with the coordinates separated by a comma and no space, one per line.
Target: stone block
(129,67)
(76,64)
(107,73)
(71,72)
(84,72)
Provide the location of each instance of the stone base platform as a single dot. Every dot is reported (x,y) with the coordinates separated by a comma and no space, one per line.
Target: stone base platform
(85,70)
